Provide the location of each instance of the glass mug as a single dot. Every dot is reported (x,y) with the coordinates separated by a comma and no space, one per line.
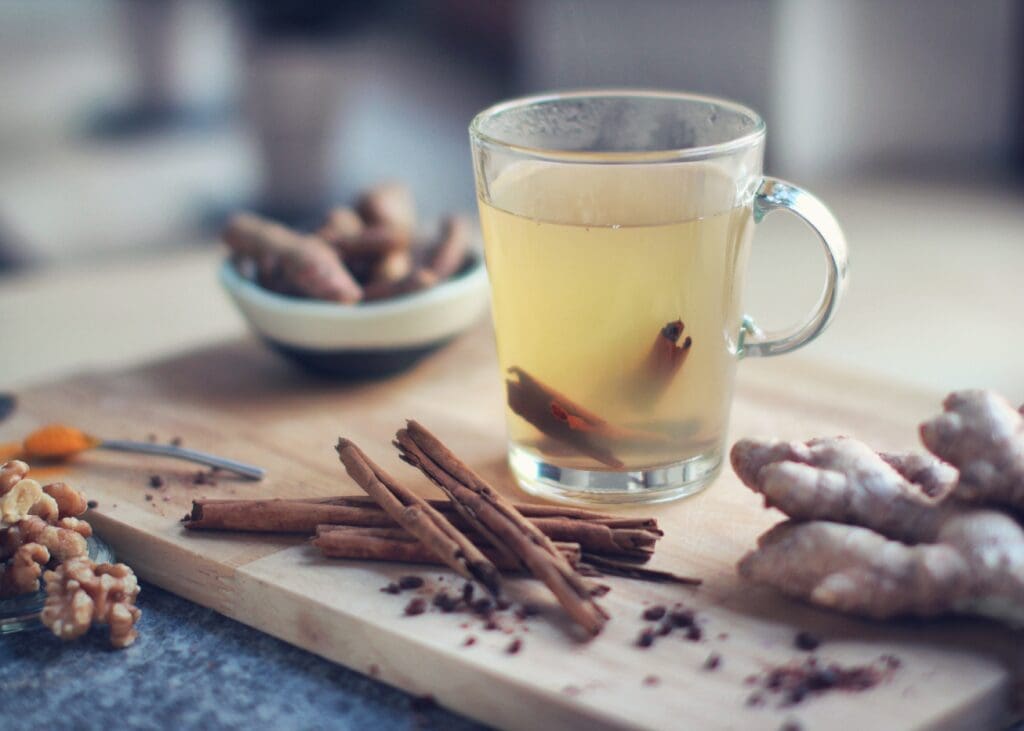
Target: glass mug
(616,229)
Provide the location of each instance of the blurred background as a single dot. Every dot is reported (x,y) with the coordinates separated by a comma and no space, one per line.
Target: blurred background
(129,128)
(127,122)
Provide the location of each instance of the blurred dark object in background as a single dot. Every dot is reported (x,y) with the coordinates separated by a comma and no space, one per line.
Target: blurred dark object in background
(292,105)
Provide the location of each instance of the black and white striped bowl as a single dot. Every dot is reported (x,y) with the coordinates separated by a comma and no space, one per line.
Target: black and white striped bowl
(366,340)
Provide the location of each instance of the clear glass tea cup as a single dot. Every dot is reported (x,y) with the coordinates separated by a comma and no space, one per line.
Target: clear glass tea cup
(617,227)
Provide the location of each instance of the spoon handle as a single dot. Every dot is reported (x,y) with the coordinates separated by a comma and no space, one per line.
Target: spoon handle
(168,450)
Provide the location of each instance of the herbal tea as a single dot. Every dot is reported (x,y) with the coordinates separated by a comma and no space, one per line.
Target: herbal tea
(616,296)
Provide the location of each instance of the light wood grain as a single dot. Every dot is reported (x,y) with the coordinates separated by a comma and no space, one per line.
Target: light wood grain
(240,401)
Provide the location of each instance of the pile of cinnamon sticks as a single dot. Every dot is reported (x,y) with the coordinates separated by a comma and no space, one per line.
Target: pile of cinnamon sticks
(476,532)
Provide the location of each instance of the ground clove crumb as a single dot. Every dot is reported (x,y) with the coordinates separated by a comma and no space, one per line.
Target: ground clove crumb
(514,646)
(416,606)
(410,582)
(646,638)
(806,641)
(653,614)
(156,481)
(713,662)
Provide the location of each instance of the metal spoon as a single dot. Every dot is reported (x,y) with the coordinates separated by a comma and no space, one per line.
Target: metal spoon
(59,441)
(247,471)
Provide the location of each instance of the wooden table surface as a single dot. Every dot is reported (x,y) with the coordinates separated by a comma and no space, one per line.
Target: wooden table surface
(935,295)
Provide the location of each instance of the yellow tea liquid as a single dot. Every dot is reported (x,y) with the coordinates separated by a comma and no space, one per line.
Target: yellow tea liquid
(599,275)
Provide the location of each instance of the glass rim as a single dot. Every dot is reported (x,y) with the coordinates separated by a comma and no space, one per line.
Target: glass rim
(682,154)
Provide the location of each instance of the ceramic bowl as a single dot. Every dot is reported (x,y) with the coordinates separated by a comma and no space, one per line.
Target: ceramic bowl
(366,340)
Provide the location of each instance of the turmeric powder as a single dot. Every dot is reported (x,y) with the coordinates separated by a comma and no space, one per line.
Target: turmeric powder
(57,441)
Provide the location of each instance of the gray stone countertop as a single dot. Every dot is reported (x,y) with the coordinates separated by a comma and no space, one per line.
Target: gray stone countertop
(194,669)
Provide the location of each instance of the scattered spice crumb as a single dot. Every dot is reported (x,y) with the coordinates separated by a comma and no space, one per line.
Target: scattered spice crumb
(391,588)
(156,481)
(410,582)
(490,625)
(682,617)
(422,702)
(694,633)
(653,614)
(416,606)
(755,699)
(445,601)
(713,662)
(514,646)
(646,638)
(469,641)
(203,478)
(176,441)
(92,505)
(527,610)
(806,641)
(665,628)
(149,498)
(483,607)
(151,437)
(651,680)
(797,680)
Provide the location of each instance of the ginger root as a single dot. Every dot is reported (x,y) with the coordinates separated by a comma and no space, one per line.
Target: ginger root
(290,262)
(981,435)
(886,535)
(389,204)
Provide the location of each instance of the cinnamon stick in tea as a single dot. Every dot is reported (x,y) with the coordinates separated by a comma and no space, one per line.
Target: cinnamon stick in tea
(554,414)
(501,524)
(393,544)
(667,355)
(416,516)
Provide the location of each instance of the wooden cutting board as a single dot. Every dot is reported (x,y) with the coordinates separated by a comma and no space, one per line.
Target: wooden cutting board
(241,401)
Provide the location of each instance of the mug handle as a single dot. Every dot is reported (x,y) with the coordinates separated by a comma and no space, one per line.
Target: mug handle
(774,194)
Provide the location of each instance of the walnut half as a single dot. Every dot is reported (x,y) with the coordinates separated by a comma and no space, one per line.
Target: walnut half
(21,574)
(80,593)
(11,473)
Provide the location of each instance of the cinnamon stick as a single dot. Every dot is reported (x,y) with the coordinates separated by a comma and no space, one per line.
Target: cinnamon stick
(607,535)
(416,516)
(529,510)
(392,544)
(631,571)
(502,525)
